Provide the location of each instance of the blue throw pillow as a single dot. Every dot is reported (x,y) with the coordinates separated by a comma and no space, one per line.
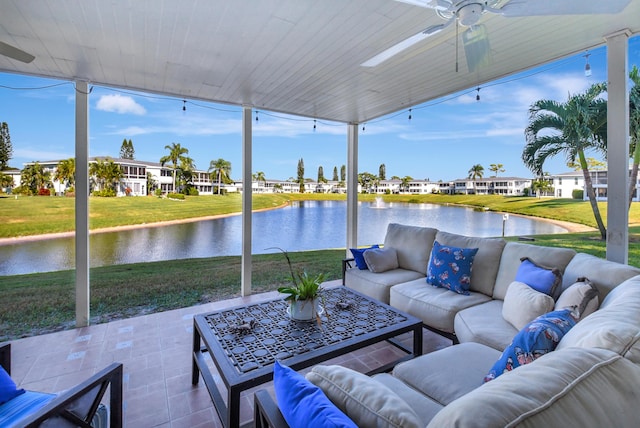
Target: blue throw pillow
(358,256)
(537,338)
(303,404)
(450,267)
(8,389)
(543,279)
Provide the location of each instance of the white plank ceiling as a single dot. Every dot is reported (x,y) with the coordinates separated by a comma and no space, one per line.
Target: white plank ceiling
(294,56)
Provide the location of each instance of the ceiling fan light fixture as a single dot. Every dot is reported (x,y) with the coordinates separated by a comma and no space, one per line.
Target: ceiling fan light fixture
(587,66)
(469,14)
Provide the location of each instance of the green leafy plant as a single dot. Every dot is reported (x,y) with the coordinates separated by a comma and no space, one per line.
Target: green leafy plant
(305,286)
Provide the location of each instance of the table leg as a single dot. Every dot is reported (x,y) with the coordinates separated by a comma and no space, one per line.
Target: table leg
(195,371)
(417,341)
(233,408)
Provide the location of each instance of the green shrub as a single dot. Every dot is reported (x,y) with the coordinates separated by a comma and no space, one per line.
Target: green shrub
(577,194)
(193,191)
(106,193)
(175,196)
(158,192)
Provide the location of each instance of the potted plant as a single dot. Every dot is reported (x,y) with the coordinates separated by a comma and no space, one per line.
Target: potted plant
(305,295)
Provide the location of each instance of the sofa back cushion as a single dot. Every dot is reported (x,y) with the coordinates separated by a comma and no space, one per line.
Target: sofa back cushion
(574,387)
(510,262)
(413,245)
(485,262)
(615,326)
(604,274)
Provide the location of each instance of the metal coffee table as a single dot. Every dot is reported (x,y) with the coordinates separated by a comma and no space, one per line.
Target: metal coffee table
(244,358)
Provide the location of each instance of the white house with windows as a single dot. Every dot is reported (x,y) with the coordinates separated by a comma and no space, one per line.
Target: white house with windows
(506,186)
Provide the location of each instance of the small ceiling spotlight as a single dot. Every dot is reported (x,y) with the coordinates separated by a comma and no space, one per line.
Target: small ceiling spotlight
(478,94)
(184,105)
(587,66)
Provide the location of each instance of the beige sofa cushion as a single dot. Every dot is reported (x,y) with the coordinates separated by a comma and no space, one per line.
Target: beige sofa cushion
(436,307)
(449,373)
(510,262)
(604,274)
(413,245)
(583,295)
(485,262)
(572,387)
(615,326)
(377,285)
(381,259)
(425,407)
(523,304)
(367,402)
(484,324)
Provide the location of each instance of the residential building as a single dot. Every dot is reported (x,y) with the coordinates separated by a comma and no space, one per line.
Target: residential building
(506,186)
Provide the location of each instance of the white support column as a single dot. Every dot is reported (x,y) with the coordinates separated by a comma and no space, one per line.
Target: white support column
(352,186)
(82,204)
(617,147)
(245,287)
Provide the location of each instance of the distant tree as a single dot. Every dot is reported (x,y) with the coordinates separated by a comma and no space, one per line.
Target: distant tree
(106,173)
(185,174)
(335,174)
(496,168)
(576,125)
(152,184)
(542,185)
(260,177)
(476,172)
(367,180)
(6,181)
(382,172)
(6,149)
(321,178)
(343,173)
(34,177)
(301,174)
(66,172)
(405,182)
(176,154)
(219,169)
(277,188)
(126,150)
(593,164)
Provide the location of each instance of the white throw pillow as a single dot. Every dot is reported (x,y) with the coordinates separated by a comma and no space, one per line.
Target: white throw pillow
(381,259)
(367,402)
(522,304)
(582,294)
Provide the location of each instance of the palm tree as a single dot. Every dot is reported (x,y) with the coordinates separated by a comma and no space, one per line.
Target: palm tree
(570,128)
(405,182)
(34,177)
(6,181)
(260,177)
(66,172)
(174,158)
(496,168)
(106,173)
(634,128)
(219,168)
(476,171)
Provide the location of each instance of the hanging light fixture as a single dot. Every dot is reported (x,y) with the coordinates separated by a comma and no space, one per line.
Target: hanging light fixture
(314,125)
(257,115)
(409,114)
(184,105)
(478,94)
(587,66)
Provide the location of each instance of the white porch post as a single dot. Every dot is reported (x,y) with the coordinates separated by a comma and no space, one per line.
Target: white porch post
(82,204)
(617,147)
(245,287)
(352,186)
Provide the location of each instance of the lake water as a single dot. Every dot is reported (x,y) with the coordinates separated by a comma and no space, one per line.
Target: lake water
(307,225)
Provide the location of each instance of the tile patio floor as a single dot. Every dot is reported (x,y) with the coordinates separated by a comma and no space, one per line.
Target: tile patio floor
(156,352)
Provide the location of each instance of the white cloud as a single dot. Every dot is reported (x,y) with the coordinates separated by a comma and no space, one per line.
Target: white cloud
(120,104)
(33,154)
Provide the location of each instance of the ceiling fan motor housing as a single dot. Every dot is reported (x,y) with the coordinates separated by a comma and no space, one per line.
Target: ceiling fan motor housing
(469,14)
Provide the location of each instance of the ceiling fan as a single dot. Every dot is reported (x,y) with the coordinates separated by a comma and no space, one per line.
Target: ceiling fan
(15,53)
(467,13)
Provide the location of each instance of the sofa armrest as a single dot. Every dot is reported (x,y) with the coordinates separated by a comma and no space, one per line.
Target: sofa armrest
(266,411)
(345,264)
(80,403)
(5,357)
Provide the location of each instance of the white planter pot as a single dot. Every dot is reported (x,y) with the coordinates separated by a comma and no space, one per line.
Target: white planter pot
(304,310)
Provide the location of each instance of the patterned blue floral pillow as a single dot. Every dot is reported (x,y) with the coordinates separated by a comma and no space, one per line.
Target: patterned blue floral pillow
(537,338)
(450,267)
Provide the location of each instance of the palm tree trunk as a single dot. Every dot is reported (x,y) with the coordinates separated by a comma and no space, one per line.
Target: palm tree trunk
(592,195)
(219,181)
(174,181)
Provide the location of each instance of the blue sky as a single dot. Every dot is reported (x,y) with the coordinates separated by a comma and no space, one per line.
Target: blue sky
(442,141)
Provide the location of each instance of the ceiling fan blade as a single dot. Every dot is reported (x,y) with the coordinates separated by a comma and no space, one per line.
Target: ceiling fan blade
(431,4)
(405,44)
(476,47)
(517,8)
(15,53)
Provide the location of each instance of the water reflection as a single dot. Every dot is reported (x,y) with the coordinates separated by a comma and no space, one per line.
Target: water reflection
(307,225)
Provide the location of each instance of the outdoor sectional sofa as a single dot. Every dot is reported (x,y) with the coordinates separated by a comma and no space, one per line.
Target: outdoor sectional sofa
(590,380)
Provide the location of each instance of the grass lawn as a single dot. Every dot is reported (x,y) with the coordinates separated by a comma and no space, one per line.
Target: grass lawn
(39,303)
